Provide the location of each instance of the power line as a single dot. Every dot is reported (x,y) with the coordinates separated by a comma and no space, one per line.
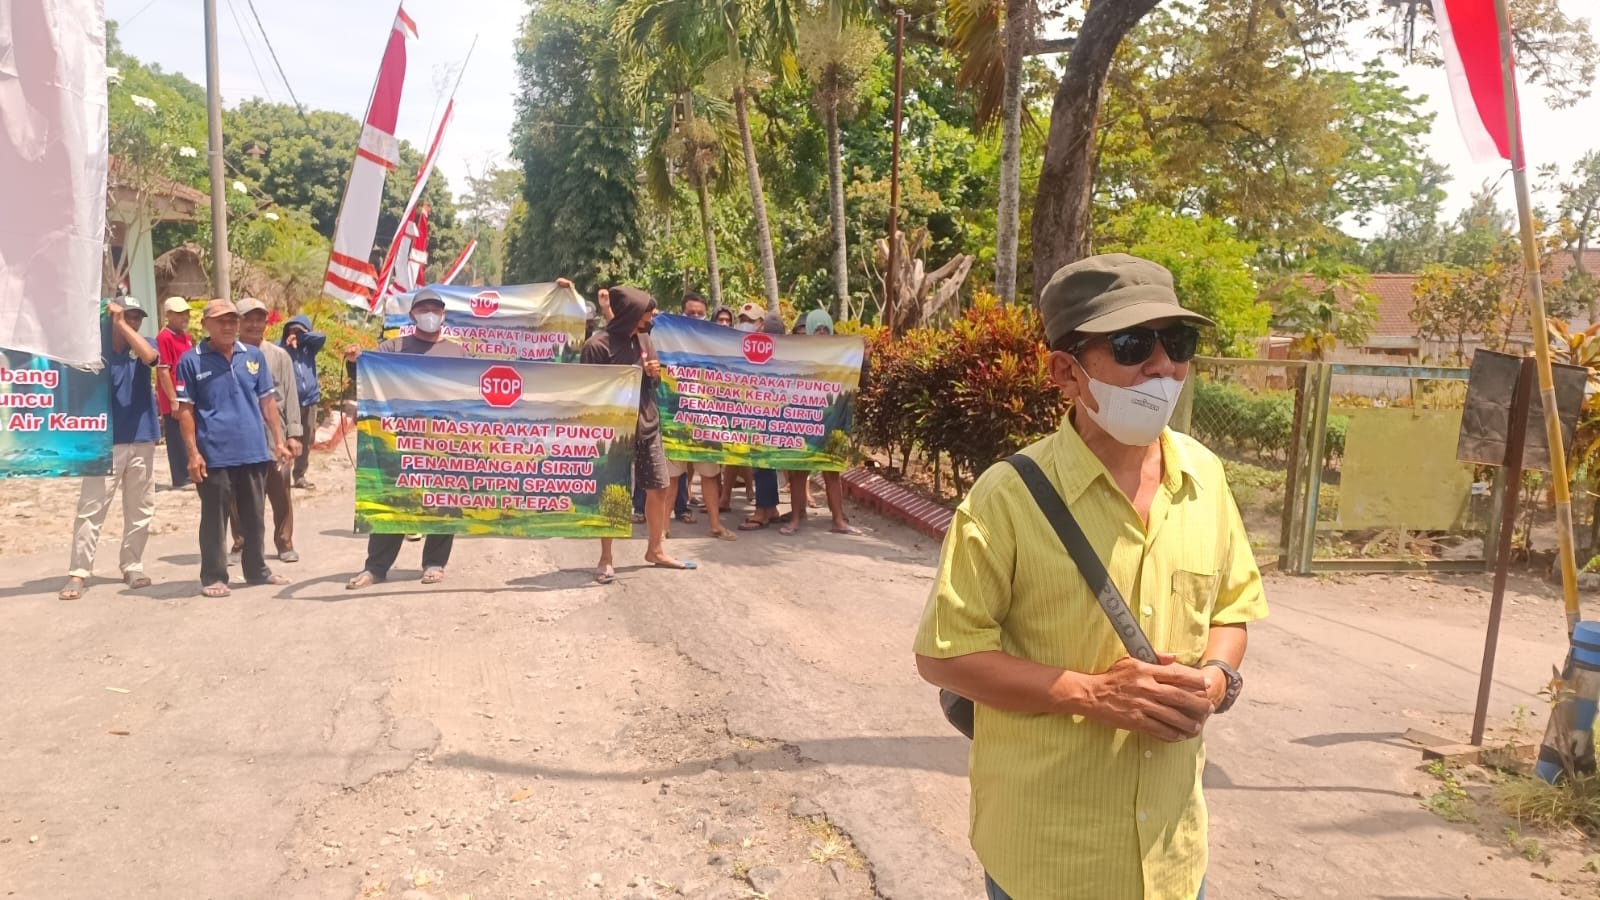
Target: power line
(245,39)
(129,20)
(274,54)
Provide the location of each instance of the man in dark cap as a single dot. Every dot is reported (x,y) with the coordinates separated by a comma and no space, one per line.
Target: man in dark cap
(228,412)
(625,341)
(303,345)
(1086,762)
(427,314)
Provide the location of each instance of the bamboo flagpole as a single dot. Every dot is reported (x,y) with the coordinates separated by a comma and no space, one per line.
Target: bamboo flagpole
(1541,335)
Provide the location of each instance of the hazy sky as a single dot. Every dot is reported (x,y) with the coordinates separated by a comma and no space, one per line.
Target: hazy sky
(330,50)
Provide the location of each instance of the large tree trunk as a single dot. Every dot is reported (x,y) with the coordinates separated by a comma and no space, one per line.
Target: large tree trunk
(758,202)
(1018,36)
(713,274)
(1061,222)
(841,250)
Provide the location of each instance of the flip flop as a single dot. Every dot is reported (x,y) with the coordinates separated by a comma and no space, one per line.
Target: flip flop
(605,577)
(275,580)
(789,530)
(723,534)
(754,525)
(216,590)
(638,518)
(69,592)
(432,575)
(850,530)
(137,581)
(365,579)
(288,556)
(686,518)
(687,565)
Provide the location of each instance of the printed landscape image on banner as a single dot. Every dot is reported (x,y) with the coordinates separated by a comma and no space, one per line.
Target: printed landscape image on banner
(465,446)
(775,401)
(533,322)
(54,420)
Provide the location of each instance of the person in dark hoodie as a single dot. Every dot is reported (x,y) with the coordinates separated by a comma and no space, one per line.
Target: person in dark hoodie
(626,342)
(303,345)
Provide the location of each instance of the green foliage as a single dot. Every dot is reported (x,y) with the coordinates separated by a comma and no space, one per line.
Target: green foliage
(574,137)
(1229,418)
(976,393)
(616,504)
(838,444)
(1210,268)
(1324,305)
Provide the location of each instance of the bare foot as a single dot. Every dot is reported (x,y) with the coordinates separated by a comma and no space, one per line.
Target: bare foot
(605,574)
(663,561)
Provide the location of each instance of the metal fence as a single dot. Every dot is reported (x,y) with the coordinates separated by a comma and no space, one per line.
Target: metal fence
(1384,491)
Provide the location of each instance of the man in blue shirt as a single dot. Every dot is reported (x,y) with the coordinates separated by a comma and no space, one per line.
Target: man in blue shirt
(129,359)
(303,345)
(231,427)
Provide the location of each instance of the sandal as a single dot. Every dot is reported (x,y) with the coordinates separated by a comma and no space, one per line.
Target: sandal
(790,529)
(73,589)
(638,518)
(275,580)
(216,590)
(687,565)
(687,518)
(754,524)
(432,575)
(136,581)
(723,534)
(849,530)
(608,575)
(365,579)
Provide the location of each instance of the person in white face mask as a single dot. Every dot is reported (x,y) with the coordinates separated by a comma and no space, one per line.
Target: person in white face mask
(427,314)
(1086,761)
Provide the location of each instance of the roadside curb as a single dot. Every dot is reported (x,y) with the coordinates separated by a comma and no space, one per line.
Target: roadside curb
(896,502)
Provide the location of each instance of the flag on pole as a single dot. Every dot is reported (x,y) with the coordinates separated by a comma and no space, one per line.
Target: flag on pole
(1470,37)
(460,263)
(387,274)
(414,269)
(53,167)
(351,276)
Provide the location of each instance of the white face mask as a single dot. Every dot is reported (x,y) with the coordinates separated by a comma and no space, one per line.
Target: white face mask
(429,322)
(746,326)
(1133,415)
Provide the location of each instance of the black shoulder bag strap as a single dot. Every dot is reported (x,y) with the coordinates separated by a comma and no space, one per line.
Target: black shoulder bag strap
(958,709)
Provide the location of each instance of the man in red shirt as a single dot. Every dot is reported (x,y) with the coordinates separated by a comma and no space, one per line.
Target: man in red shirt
(171,344)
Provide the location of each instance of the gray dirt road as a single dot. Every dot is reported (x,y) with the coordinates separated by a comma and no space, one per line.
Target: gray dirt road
(754,726)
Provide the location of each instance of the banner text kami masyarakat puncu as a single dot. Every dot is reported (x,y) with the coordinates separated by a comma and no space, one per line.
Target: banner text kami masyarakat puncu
(470,446)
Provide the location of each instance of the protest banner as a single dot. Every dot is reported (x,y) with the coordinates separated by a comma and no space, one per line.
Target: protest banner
(773,401)
(531,322)
(54,420)
(469,446)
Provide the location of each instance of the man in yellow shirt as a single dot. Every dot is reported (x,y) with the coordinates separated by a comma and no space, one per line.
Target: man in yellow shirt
(1086,763)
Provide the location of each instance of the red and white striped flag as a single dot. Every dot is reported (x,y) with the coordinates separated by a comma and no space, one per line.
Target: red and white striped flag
(1469,34)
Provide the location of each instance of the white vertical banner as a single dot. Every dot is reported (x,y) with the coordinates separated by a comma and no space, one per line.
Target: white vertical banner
(52,176)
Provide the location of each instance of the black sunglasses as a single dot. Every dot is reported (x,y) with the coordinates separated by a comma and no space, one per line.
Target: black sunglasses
(1132,346)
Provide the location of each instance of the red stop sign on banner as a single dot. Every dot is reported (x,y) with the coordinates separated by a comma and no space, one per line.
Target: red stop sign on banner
(501,386)
(758,348)
(484,303)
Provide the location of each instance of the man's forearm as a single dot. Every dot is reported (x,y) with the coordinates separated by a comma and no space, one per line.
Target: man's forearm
(165,386)
(1001,681)
(274,419)
(186,427)
(1227,643)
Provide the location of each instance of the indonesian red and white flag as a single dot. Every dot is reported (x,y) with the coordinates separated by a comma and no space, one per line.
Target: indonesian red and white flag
(460,263)
(351,276)
(394,262)
(1469,34)
(411,271)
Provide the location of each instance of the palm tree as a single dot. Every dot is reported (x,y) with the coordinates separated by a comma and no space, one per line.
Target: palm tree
(747,29)
(693,137)
(992,60)
(835,53)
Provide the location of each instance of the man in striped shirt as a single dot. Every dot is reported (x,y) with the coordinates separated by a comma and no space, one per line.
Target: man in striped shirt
(1086,763)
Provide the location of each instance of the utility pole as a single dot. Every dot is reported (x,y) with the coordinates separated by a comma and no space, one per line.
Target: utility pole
(219,202)
(892,285)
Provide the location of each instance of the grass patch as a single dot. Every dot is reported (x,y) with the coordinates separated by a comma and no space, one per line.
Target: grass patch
(1573,803)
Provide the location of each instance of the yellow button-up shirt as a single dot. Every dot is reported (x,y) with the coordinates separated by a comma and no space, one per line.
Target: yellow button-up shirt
(1063,808)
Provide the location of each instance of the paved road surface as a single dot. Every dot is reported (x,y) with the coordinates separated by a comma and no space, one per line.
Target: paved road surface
(758,724)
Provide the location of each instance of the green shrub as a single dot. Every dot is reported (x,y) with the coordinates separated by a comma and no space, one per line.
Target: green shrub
(1232,418)
(616,504)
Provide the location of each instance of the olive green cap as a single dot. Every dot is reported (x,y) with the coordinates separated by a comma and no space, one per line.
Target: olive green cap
(1110,292)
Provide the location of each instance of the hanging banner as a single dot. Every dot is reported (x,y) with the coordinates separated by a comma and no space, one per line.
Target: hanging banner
(782,402)
(54,420)
(528,322)
(468,446)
